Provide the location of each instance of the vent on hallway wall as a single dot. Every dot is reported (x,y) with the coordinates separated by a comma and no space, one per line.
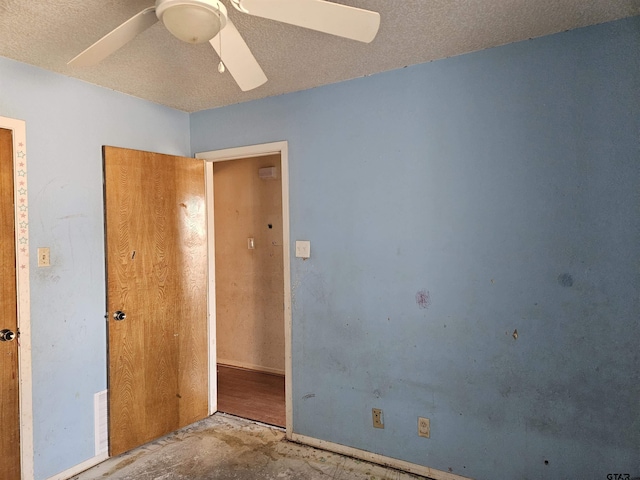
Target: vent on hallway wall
(100,415)
(268,173)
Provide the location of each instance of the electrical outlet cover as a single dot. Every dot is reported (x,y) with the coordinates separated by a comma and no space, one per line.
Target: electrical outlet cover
(378,419)
(44,258)
(424,427)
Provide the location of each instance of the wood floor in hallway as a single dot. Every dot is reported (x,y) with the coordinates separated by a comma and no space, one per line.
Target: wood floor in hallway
(225,447)
(251,394)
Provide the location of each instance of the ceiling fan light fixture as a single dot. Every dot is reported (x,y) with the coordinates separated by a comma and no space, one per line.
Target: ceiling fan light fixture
(199,21)
(192,21)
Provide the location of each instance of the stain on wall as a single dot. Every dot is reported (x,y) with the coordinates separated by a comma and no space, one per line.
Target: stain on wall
(423,299)
(565,280)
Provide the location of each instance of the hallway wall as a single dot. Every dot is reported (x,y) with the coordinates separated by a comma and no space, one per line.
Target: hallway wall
(249,281)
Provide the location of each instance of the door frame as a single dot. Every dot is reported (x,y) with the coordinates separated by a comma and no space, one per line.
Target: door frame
(210,157)
(21,218)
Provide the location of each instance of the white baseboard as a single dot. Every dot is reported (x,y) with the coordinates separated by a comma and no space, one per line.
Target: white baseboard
(250,366)
(81,467)
(375,458)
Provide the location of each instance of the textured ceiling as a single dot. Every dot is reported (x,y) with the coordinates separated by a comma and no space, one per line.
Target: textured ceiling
(158,67)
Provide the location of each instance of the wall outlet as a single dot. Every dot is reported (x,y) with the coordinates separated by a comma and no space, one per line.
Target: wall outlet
(44,257)
(378,419)
(424,427)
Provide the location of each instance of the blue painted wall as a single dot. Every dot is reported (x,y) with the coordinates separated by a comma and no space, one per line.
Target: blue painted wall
(67,123)
(448,205)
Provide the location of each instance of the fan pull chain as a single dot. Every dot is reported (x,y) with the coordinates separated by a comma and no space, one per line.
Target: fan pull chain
(221,68)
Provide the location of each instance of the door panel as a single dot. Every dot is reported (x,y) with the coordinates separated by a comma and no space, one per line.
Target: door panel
(9,380)
(155,227)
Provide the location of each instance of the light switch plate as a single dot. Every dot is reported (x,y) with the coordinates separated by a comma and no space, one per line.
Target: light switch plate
(303,248)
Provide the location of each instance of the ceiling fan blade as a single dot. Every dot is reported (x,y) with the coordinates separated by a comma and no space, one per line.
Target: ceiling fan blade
(115,39)
(333,18)
(238,59)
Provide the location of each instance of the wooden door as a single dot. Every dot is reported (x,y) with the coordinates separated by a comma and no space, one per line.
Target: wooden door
(156,248)
(9,380)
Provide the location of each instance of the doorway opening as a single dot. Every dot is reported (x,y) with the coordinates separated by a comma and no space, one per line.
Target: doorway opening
(249,286)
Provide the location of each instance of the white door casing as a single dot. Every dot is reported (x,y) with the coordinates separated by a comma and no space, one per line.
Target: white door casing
(231,154)
(21,202)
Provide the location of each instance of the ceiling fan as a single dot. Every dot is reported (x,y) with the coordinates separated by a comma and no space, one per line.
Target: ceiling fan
(199,21)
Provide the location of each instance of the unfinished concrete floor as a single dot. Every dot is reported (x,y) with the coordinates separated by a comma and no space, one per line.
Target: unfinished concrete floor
(227,447)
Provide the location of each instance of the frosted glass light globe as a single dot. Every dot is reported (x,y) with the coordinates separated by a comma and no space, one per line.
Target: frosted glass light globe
(192,21)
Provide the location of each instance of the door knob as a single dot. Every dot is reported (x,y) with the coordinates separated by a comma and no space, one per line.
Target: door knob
(119,315)
(7,335)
